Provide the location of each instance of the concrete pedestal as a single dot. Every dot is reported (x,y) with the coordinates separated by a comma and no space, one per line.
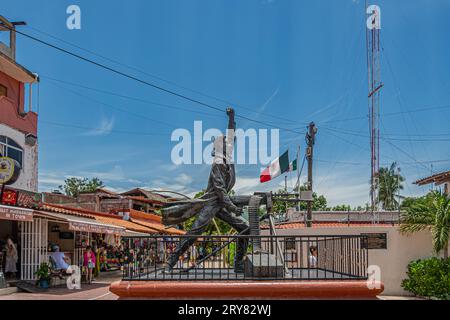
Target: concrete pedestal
(283,289)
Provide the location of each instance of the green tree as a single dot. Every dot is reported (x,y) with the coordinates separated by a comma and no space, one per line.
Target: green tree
(342,207)
(390,184)
(319,202)
(431,212)
(408,202)
(199,194)
(217,226)
(74,186)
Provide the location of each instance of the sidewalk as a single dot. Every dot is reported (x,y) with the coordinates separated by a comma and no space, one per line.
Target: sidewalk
(98,290)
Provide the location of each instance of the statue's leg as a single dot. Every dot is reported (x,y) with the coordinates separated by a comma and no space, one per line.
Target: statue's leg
(200,225)
(240,224)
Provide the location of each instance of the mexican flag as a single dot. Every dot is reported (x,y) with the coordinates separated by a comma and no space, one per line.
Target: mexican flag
(276,168)
(293,166)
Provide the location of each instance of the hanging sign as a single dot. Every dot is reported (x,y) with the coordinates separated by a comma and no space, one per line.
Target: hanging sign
(9,170)
(29,199)
(9,197)
(94,228)
(16,214)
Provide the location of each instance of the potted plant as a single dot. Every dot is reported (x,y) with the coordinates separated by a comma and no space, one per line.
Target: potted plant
(43,276)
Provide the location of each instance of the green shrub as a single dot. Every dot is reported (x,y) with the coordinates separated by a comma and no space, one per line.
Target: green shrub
(429,278)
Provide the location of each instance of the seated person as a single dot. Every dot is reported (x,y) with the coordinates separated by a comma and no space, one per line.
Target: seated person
(61,261)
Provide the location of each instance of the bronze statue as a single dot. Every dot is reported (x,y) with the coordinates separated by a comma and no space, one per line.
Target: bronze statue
(214,203)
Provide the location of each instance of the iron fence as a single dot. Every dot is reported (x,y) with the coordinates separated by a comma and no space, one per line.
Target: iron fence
(267,258)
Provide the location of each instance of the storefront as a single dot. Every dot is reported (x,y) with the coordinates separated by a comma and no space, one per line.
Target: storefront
(11,221)
(72,234)
(36,231)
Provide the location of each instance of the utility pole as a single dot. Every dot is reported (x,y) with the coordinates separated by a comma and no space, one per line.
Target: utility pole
(375,85)
(310,140)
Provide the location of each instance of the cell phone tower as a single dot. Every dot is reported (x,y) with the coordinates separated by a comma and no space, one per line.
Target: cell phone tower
(373,29)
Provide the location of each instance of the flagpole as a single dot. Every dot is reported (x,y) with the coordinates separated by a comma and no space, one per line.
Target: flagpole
(298,170)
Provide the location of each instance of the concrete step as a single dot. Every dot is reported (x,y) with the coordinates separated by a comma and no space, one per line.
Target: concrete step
(8,290)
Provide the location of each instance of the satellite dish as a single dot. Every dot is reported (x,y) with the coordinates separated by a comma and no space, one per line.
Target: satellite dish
(9,170)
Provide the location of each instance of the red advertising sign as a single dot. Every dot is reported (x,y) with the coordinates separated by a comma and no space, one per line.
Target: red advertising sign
(9,197)
(29,199)
(21,198)
(17,214)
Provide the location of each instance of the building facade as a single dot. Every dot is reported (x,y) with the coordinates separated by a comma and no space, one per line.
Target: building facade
(18,121)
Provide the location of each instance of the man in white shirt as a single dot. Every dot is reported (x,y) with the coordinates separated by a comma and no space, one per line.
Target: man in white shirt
(60,259)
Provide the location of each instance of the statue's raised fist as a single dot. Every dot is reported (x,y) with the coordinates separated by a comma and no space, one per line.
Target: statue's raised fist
(230,111)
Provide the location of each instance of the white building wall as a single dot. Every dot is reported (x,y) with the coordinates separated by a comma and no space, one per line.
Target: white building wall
(28,179)
(393,261)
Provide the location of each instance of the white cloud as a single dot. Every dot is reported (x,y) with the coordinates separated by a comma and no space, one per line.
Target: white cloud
(104,128)
(184,179)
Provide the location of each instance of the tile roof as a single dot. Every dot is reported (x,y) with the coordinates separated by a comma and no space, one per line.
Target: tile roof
(436,178)
(146,216)
(67,210)
(147,194)
(126,224)
(101,217)
(159,227)
(152,221)
(141,198)
(300,225)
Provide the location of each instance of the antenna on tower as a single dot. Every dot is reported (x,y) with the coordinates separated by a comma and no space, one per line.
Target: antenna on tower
(374,85)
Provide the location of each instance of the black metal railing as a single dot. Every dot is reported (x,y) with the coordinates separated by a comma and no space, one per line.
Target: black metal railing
(267,258)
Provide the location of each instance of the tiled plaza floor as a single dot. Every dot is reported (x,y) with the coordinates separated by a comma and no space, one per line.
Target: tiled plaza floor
(94,291)
(98,290)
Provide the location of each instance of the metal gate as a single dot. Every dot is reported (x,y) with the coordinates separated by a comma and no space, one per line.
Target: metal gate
(34,238)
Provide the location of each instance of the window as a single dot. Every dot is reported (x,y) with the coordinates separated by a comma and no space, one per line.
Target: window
(10,148)
(374,241)
(290,243)
(3,91)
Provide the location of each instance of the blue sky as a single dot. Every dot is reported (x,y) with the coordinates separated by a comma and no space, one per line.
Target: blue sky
(300,60)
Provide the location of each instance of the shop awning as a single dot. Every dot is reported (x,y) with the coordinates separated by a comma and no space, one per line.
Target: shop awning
(85,224)
(130,233)
(15,213)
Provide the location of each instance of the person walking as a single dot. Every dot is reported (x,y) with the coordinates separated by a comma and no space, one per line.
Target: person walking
(89,263)
(11,258)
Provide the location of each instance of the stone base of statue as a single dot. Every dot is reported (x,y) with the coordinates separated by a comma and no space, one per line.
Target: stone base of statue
(248,290)
(263,265)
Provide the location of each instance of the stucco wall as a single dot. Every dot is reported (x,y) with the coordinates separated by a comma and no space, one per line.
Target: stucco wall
(392,261)
(28,179)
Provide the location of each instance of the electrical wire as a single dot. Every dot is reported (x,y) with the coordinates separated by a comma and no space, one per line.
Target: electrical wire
(144,82)
(160,78)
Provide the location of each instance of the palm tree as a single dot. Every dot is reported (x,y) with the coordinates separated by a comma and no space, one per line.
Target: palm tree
(433,213)
(390,184)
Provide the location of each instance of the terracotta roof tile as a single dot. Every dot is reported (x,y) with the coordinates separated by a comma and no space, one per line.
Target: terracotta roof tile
(159,227)
(126,224)
(67,210)
(434,178)
(154,197)
(101,217)
(299,225)
(144,215)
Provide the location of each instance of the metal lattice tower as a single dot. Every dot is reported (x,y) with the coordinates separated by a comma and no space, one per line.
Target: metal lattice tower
(375,84)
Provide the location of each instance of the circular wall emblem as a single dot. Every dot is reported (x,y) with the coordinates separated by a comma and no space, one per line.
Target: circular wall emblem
(9,170)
